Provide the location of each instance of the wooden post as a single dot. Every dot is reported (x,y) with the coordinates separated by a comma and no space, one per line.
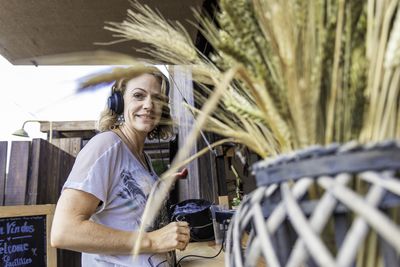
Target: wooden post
(182,89)
(3,166)
(16,183)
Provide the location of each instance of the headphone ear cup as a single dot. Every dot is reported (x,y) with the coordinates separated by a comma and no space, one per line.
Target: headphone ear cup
(116,103)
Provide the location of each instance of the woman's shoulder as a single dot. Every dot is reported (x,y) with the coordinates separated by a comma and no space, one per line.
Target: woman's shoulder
(103,142)
(104,138)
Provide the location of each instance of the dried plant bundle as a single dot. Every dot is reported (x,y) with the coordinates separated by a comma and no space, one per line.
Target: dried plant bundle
(284,75)
(308,75)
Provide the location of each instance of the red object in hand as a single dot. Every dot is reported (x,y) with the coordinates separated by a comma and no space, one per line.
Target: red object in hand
(183,173)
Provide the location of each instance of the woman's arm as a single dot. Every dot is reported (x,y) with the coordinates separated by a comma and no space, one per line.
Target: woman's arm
(73,230)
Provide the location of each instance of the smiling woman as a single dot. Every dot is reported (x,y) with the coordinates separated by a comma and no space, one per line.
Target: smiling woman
(100,208)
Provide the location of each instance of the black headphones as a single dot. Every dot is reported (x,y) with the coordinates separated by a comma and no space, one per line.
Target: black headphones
(115,101)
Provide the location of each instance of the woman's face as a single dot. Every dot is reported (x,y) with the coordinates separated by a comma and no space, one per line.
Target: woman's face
(143,103)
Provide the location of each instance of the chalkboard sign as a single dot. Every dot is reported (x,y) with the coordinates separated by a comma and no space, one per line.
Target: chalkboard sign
(24,239)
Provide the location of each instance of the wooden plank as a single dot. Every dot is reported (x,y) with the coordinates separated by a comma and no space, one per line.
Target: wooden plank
(3,166)
(54,167)
(70,145)
(207,249)
(74,146)
(44,158)
(53,174)
(68,258)
(65,166)
(49,168)
(68,126)
(65,258)
(16,183)
(74,134)
(26,210)
(33,179)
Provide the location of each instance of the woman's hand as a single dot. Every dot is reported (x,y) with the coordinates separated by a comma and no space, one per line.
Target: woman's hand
(182,174)
(175,235)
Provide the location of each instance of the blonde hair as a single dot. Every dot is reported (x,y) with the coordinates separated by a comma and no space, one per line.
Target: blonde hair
(163,130)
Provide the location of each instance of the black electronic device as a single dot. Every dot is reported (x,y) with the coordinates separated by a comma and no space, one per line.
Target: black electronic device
(116,103)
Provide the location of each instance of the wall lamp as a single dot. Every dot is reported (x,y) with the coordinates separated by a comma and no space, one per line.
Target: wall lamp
(21,132)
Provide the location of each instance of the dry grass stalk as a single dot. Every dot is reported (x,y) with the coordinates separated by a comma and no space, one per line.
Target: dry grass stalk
(312,72)
(155,201)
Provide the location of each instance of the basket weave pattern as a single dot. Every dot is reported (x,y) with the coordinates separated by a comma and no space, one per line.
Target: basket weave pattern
(344,214)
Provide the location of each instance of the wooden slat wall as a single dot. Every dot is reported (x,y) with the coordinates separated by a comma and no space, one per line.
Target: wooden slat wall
(3,166)
(17,180)
(50,169)
(36,175)
(37,172)
(56,164)
(53,159)
(66,163)
(70,145)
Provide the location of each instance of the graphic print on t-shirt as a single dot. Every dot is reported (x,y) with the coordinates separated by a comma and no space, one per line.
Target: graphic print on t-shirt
(131,189)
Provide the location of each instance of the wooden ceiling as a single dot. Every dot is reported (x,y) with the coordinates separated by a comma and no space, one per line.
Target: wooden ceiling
(31,30)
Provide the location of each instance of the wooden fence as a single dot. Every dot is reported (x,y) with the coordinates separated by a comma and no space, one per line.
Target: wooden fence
(37,171)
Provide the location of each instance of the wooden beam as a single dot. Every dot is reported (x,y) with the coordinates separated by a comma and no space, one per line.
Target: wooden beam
(68,126)
(156,146)
(3,166)
(26,210)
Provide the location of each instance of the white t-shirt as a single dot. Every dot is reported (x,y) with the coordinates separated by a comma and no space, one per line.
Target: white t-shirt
(107,169)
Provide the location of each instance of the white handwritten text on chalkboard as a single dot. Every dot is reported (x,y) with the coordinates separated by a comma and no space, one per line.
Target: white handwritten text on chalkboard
(22,241)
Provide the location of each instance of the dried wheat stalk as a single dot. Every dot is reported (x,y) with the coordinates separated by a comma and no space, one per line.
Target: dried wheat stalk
(307,72)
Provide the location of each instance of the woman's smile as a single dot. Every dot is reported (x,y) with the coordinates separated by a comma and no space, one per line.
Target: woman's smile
(145,117)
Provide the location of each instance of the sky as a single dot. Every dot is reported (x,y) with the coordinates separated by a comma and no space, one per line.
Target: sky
(46,93)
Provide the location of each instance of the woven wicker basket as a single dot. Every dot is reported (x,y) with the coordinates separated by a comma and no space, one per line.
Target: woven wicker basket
(335,206)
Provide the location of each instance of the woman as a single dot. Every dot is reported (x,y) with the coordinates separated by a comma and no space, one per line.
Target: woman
(100,208)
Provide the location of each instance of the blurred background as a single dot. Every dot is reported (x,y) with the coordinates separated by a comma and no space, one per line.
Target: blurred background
(46,93)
